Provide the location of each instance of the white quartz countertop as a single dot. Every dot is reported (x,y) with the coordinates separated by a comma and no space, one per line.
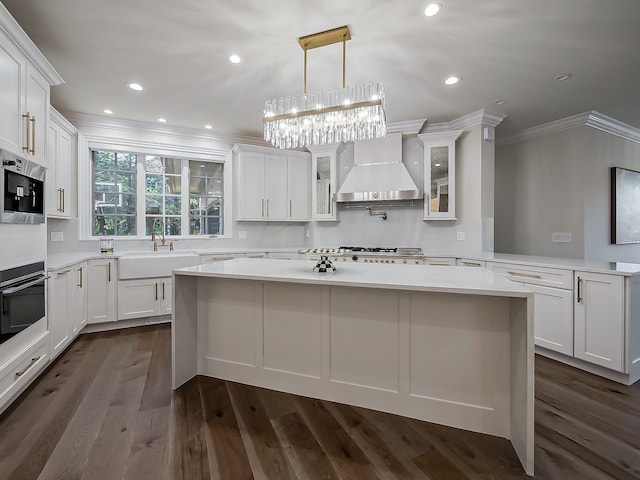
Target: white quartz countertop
(478,281)
(618,268)
(62,260)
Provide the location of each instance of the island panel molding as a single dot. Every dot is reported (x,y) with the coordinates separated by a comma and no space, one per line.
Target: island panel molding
(454,348)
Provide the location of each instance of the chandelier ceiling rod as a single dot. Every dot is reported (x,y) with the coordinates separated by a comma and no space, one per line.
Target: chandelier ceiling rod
(322,39)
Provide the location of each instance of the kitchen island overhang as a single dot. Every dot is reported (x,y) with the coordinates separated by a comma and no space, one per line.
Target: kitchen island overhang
(450,345)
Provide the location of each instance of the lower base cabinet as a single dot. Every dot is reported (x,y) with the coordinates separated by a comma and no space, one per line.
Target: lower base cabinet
(66,306)
(599,319)
(147,297)
(553,318)
(22,367)
(101,290)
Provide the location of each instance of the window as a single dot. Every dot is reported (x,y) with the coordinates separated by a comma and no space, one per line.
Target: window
(133,194)
(163,193)
(205,198)
(114,193)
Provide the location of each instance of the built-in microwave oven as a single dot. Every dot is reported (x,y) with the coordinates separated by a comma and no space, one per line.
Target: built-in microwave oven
(22,190)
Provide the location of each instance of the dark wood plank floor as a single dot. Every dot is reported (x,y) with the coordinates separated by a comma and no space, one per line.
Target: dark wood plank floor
(105,410)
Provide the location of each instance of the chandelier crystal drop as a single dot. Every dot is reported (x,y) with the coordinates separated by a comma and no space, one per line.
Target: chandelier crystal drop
(341,115)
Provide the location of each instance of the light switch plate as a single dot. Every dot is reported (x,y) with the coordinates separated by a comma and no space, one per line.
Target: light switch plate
(57,236)
(460,236)
(242,234)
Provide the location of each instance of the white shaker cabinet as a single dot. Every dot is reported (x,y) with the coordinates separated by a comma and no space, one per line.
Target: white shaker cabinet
(600,319)
(553,302)
(25,81)
(272,185)
(66,305)
(61,139)
(37,111)
(147,297)
(12,68)
(101,290)
(57,314)
(299,194)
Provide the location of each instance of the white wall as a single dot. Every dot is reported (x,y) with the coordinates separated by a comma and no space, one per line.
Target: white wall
(560,182)
(22,244)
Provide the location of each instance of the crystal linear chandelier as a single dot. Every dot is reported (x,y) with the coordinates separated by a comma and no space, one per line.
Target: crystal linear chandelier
(341,115)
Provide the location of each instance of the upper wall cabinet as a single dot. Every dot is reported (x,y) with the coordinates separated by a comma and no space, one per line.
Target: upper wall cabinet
(324,168)
(440,174)
(271,184)
(61,152)
(25,81)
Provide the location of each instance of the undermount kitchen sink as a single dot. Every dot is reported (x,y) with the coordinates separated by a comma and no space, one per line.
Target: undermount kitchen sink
(154,264)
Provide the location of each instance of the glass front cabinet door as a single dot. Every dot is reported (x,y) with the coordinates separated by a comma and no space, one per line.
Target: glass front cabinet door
(440,174)
(324,168)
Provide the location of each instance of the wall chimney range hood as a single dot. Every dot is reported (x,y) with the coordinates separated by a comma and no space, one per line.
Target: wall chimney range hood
(378,173)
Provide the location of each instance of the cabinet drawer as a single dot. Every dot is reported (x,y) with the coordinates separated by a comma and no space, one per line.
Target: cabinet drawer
(217,258)
(549,277)
(18,371)
(465,262)
(440,261)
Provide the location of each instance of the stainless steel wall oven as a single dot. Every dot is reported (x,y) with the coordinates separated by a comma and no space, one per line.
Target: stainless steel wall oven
(22,190)
(22,298)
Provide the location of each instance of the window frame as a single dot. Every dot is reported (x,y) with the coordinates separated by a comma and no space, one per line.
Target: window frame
(85,165)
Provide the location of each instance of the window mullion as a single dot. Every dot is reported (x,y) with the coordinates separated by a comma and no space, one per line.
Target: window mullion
(184,208)
(140,197)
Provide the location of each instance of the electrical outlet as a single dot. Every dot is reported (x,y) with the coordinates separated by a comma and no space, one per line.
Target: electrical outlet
(57,236)
(242,234)
(460,236)
(561,237)
(306,234)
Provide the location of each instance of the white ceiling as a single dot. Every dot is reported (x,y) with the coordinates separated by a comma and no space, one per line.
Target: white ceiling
(179,49)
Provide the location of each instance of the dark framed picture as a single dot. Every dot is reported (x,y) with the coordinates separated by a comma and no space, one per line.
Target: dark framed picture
(625,206)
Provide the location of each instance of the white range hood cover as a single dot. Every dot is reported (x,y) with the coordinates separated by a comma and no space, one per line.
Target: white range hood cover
(378,173)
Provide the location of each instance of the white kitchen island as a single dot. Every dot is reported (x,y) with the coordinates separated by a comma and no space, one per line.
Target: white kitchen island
(450,345)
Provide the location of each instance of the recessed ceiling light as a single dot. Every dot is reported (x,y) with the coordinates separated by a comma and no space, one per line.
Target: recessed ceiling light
(208,127)
(135,86)
(452,80)
(162,120)
(108,112)
(234,59)
(432,9)
(561,77)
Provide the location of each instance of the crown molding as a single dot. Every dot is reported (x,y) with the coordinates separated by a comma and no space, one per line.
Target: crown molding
(14,31)
(121,125)
(440,136)
(409,127)
(591,119)
(481,117)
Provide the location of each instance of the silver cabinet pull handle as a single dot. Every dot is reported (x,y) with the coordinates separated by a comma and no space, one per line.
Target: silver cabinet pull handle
(522,274)
(33,135)
(31,364)
(109,272)
(27,118)
(579,299)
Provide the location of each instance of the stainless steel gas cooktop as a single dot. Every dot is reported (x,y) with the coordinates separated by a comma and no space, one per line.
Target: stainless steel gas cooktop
(401,255)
